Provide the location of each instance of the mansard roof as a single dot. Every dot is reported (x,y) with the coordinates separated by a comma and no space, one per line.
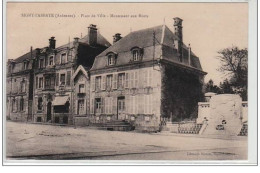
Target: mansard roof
(164,48)
(101,41)
(26,56)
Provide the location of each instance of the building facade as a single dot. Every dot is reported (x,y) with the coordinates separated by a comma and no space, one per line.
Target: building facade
(19,88)
(50,88)
(145,77)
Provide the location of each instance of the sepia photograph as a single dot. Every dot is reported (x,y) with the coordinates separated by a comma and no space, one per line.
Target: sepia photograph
(157,82)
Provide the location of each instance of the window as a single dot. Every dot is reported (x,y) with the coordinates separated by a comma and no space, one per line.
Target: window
(25,65)
(109,81)
(39,104)
(111,60)
(62,79)
(47,82)
(13,105)
(98,105)
(41,63)
(98,83)
(21,104)
(135,55)
(81,88)
(121,80)
(108,105)
(40,82)
(63,58)
(51,61)
(81,107)
(23,86)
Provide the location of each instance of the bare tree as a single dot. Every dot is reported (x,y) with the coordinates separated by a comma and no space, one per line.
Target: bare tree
(234,63)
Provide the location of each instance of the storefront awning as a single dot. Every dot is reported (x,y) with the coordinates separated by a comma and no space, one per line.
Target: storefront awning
(60,100)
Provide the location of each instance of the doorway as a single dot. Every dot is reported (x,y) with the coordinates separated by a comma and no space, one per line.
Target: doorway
(48,111)
(121,108)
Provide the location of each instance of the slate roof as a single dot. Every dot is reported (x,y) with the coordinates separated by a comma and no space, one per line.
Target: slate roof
(100,41)
(26,56)
(144,39)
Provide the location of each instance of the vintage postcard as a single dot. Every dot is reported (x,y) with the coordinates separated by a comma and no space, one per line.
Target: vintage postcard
(129,83)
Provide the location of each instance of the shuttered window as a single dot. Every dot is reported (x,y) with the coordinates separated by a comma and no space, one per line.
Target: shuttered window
(148,104)
(108,105)
(57,79)
(126,80)
(135,79)
(102,105)
(109,81)
(115,81)
(103,86)
(131,79)
(92,81)
(68,78)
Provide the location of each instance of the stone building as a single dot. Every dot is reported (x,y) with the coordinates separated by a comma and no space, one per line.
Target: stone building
(19,88)
(54,67)
(146,76)
(81,87)
(39,84)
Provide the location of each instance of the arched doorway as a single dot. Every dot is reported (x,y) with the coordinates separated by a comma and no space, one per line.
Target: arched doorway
(48,111)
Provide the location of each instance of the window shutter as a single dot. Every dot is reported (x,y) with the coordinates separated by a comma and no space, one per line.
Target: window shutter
(145,78)
(102,105)
(135,79)
(110,105)
(106,104)
(57,79)
(126,80)
(115,81)
(36,82)
(68,78)
(92,81)
(92,106)
(114,106)
(131,79)
(103,86)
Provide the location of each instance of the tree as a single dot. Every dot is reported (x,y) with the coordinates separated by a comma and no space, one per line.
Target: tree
(234,63)
(226,87)
(210,87)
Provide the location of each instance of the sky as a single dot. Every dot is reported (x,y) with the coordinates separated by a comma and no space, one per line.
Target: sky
(207,27)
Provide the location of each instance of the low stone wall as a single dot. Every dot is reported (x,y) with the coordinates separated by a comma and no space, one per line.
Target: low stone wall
(18,116)
(143,123)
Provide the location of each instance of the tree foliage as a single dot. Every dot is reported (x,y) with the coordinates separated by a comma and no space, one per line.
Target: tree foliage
(234,63)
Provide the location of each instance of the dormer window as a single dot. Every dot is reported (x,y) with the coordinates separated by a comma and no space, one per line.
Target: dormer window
(51,61)
(41,63)
(111,59)
(137,53)
(25,65)
(63,58)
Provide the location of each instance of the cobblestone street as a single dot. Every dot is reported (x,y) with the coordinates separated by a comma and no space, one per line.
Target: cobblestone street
(35,141)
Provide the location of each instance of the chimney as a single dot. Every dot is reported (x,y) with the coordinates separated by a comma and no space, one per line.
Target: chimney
(178,32)
(116,37)
(52,43)
(92,35)
(189,56)
(76,40)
